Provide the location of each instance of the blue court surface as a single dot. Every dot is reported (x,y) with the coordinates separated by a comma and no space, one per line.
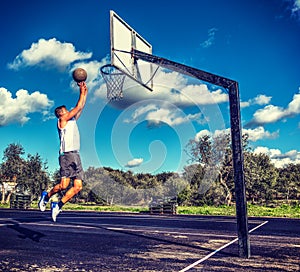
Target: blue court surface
(102,241)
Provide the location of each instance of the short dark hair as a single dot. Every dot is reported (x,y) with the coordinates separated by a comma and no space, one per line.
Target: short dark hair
(58,110)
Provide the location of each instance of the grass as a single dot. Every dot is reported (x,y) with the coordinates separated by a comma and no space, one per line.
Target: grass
(207,210)
(98,208)
(287,211)
(284,210)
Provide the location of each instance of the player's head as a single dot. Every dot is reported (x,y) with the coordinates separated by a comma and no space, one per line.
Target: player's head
(60,110)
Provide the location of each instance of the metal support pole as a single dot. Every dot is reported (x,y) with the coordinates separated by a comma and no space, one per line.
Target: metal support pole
(238,165)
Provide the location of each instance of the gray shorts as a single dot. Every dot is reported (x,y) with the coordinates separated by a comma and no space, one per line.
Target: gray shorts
(70,165)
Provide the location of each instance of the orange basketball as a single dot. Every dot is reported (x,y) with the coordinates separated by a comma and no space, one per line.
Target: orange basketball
(79,75)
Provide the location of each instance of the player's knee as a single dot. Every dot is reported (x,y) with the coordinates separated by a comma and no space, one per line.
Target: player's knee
(77,188)
(63,186)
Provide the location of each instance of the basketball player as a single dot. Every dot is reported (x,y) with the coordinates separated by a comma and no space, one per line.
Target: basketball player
(69,158)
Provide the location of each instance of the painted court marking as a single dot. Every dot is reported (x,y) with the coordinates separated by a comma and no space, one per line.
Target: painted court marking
(217,250)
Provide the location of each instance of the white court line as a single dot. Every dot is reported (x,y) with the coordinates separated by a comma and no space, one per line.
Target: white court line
(217,250)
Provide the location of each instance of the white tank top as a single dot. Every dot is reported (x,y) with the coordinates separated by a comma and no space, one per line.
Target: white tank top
(69,137)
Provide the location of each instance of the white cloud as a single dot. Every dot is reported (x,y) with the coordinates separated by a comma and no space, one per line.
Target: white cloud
(48,53)
(200,95)
(294,106)
(260,133)
(134,162)
(272,114)
(169,117)
(141,111)
(244,104)
(269,114)
(16,110)
(157,115)
(260,99)
(279,159)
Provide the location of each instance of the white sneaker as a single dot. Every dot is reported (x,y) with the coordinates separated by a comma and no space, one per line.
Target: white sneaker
(55,211)
(42,202)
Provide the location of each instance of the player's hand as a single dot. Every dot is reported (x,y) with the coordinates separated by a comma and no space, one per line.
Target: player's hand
(83,87)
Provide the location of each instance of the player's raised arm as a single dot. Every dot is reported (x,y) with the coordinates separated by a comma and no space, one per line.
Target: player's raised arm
(83,92)
(61,112)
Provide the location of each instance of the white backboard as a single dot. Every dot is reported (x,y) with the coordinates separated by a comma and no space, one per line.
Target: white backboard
(123,39)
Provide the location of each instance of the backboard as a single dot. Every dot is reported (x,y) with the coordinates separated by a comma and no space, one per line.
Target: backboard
(123,39)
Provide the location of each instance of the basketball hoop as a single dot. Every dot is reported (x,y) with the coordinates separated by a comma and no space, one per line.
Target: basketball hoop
(114,79)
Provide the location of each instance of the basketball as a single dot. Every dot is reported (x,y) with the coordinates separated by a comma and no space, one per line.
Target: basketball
(79,75)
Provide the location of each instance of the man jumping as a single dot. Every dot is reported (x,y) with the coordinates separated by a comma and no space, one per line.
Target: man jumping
(69,158)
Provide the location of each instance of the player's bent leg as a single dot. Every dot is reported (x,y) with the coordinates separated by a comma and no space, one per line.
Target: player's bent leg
(64,183)
(77,187)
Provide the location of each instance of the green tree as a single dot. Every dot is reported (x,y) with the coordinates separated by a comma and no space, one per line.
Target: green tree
(215,157)
(36,176)
(193,193)
(215,181)
(260,177)
(288,182)
(30,174)
(12,167)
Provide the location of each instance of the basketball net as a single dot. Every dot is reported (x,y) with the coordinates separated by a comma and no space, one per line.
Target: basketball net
(114,79)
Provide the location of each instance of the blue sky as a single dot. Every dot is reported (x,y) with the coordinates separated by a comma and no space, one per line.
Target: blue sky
(255,42)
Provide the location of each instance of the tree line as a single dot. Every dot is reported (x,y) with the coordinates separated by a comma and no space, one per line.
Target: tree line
(207,179)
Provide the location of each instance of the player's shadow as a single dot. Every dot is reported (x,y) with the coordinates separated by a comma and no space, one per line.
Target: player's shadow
(25,232)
